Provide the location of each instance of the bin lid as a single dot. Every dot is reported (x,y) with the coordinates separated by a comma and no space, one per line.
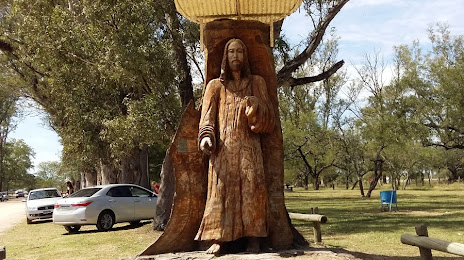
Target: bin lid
(266,11)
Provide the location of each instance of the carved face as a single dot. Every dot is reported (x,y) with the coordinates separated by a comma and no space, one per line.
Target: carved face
(235,55)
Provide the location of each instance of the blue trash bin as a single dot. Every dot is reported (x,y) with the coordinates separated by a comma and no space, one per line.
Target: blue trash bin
(387,198)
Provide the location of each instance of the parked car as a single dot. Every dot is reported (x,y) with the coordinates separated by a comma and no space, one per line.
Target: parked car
(4,196)
(19,193)
(105,206)
(40,203)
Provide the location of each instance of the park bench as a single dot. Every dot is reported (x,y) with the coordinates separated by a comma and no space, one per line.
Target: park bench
(426,244)
(315,218)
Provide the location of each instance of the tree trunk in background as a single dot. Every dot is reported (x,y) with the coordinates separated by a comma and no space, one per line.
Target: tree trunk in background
(361,186)
(108,173)
(306,182)
(134,168)
(378,170)
(316,182)
(166,194)
(89,178)
(185,88)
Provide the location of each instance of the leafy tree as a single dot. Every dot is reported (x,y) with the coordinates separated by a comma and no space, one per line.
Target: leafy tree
(309,139)
(17,162)
(48,176)
(101,71)
(436,80)
(8,100)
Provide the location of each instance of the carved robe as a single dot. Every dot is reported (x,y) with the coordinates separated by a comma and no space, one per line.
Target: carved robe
(237,199)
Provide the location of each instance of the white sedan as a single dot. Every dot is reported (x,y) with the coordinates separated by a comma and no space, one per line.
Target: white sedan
(40,203)
(104,206)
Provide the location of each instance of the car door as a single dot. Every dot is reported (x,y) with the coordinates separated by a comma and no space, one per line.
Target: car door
(144,202)
(122,203)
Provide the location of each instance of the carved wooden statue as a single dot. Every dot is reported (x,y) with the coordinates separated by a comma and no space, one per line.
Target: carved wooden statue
(235,200)
(235,111)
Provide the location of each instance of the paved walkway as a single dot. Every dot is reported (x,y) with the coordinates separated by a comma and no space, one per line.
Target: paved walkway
(11,213)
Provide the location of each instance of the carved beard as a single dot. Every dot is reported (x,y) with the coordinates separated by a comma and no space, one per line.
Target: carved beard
(236,65)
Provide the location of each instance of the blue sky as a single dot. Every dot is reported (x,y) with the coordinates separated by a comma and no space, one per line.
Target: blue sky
(362,25)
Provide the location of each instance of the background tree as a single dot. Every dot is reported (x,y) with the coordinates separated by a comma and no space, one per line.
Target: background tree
(8,110)
(48,176)
(101,71)
(17,163)
(307,118)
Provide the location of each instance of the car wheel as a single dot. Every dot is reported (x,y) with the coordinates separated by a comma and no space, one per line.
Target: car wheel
(105,220)
(28,221)
(134,223)
(72,229)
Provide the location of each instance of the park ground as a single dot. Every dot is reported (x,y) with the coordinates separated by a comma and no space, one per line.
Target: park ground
(356,228)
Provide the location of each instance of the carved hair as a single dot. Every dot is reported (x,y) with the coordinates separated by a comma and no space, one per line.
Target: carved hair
(226,73)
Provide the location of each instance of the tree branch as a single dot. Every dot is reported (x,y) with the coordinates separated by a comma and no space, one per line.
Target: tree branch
(324,75)
(316,37)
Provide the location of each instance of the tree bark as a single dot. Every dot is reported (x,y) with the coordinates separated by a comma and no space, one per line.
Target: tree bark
(185,87)
(135,168)
(108,173)
(361,187)
(166,194)
(316,182)
(378,165)
(90,178)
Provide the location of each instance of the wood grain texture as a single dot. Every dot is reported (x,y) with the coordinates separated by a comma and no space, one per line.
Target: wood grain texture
(255,35)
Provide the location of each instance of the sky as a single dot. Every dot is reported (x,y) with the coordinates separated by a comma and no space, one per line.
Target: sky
(364,26)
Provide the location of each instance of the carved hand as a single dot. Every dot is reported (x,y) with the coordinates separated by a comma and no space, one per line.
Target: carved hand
(251,109)
(206,145)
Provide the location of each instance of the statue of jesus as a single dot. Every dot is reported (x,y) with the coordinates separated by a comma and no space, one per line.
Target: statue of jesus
(236,111)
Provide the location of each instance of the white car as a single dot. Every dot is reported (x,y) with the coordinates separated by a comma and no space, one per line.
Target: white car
(104,206)
(40,203)
(4,196)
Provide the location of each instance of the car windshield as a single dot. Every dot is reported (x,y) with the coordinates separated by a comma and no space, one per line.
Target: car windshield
(43,194)
(85,192)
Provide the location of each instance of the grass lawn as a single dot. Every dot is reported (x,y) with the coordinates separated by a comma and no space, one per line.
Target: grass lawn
(357,224)
(354,223)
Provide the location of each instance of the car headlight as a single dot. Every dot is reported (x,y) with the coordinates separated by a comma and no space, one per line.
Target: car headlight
(31,208)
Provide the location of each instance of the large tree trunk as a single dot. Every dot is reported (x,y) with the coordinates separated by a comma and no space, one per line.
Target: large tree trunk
(89,178)
(256,36)
(166,194)
(109,174)
(185,88)
(135,168)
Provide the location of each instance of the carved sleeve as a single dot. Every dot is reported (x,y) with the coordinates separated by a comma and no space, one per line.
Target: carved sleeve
(265,119)
(209,110)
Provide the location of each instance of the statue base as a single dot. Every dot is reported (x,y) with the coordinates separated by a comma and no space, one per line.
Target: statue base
(293,254)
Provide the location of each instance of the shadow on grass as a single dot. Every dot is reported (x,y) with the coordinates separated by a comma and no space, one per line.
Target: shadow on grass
(40,221)
(114,229)
(349,215)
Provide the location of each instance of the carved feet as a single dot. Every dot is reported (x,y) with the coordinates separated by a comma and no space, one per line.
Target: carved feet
(214,248)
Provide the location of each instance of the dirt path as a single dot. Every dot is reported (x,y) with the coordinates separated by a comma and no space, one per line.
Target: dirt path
(11,213)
